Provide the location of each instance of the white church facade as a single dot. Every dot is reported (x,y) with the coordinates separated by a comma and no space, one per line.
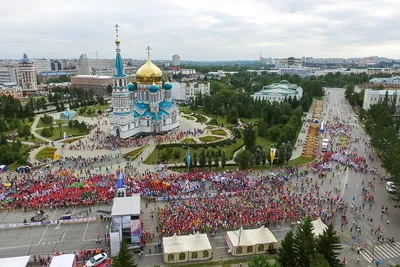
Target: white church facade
(143,107)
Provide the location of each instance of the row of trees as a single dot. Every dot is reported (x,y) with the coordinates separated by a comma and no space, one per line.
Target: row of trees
(11,152)
(208,158)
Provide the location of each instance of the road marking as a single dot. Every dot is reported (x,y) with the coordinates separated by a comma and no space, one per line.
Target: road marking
(222,247)
(65,232)
(84,234)
(357,185)
(362,148)
(156,254)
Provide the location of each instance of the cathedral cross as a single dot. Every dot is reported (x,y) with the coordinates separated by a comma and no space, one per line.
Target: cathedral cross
(148,48)
(116,27)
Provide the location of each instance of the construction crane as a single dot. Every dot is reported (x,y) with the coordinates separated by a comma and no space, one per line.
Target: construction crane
(96,53)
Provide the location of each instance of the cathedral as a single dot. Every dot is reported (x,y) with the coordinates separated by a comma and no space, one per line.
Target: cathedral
(143,107)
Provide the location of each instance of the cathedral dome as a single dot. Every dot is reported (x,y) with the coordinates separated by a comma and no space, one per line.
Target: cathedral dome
(131,87)
(153,88)
(148,73)
(167,86)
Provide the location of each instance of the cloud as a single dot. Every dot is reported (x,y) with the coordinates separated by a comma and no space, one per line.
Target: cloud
(200,30)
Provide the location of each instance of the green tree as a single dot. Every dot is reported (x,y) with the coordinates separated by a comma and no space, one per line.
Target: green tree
(124,257)
(319,261)
(263,156)
(209,158)
(223,159)
(249,136)
(262,261)
(286,253)
(195,159)
(233,116)
(203,159)
(329,246)
(257,156)
(177,153)
(304,243)
(244,159)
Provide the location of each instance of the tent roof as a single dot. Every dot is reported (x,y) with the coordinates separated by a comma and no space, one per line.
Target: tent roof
(319,227)
(185,243)
(251,237)
(62,260)
(126,206)
(14,262)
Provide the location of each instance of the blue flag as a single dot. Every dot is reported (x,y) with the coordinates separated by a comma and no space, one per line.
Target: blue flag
(188,159)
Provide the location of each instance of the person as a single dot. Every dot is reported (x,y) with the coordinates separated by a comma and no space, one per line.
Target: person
(358,259)
(141,253)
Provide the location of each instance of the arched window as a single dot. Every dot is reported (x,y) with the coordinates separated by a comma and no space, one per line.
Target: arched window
(182,256)
(194,255)
(120,83)
(148,123)
(142,98)
(250,249)
(147,95)
(271,247)
(260,248)
(239,250)
(206,254)
(171,257)
(164,122)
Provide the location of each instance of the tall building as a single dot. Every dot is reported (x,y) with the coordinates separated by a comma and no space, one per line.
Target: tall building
(143,107)
(176,60)
(7,74)
(26,76)
(190,90)
(56,65)
(84,67)
(42,65)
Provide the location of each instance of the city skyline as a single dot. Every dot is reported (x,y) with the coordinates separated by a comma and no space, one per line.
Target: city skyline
(202,31)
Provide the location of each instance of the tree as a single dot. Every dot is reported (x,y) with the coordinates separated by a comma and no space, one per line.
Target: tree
(233,116)
(304,243)
(263,156)
(244,159)
(262,261)
(216,160)
(286,254)
(319,261)
(60,128)
(209,158)
(328,245)
(195,159)
(203,159)
(223,159)
(124,257)
(249,136)
(257,156)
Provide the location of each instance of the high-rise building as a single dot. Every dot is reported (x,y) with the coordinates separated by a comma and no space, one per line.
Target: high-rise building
(56,64)
(26,76)
(7,74)
(176,60)
(42,65)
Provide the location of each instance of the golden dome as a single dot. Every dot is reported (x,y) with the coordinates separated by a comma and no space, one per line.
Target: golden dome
(148,73)
(117,41)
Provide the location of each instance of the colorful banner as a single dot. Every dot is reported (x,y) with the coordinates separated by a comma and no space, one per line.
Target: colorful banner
(272,153)
(135,231)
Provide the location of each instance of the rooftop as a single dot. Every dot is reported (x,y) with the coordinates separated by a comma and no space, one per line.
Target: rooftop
(126,206)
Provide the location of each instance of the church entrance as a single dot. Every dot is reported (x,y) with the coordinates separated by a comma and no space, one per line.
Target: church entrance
(156,128)
(118,132)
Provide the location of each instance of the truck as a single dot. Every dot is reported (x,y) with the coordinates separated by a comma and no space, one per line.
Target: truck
(325,144)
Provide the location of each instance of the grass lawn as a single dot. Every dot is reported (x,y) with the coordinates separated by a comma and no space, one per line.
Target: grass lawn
(47,152)
(92,108)
(70,132)
(249,120)
(188,141)
(188,117)
(185,110)
(209,138)
(71,140)
(171,159)
(24,150)
(211,127)
(134,153)
(263,142)
(300,160)
(219,132)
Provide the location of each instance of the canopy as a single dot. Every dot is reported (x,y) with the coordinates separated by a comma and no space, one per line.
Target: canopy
(186,243)
(251,237)
(319,227)
(15,261)
(126,206)
(3,168)
(66,260)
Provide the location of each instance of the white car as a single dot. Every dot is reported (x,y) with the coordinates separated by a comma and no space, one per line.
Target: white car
(390,187)
(97,260)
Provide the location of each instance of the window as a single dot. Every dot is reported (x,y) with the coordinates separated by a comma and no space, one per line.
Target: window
(250,249)
(260,248)
(194,255)
(147,95)
(164,122)
(148,123)
(171,257)
(206,254)
(239,250)
(182,256)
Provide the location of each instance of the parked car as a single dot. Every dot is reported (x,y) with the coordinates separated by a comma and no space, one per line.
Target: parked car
(97,260)
(390,187)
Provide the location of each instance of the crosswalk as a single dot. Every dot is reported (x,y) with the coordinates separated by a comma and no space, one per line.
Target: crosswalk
(382,251)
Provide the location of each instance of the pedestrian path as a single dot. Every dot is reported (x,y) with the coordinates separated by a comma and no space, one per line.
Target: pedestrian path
(383,251)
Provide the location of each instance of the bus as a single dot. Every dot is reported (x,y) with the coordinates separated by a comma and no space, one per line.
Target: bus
(322,129)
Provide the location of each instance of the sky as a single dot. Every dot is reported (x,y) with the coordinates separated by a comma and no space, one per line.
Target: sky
(205,30)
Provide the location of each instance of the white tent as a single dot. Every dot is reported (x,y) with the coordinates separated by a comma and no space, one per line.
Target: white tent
(186,248)
(66,260)
(245,242)
(319,227)
(15,261)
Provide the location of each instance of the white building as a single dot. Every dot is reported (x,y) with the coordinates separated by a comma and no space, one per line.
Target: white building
(302,72)
(279,91)
(26,76)
(8,74)
(372,97)
(190,89)
(176,60)
(391,80)
(144,107)
(42,65)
